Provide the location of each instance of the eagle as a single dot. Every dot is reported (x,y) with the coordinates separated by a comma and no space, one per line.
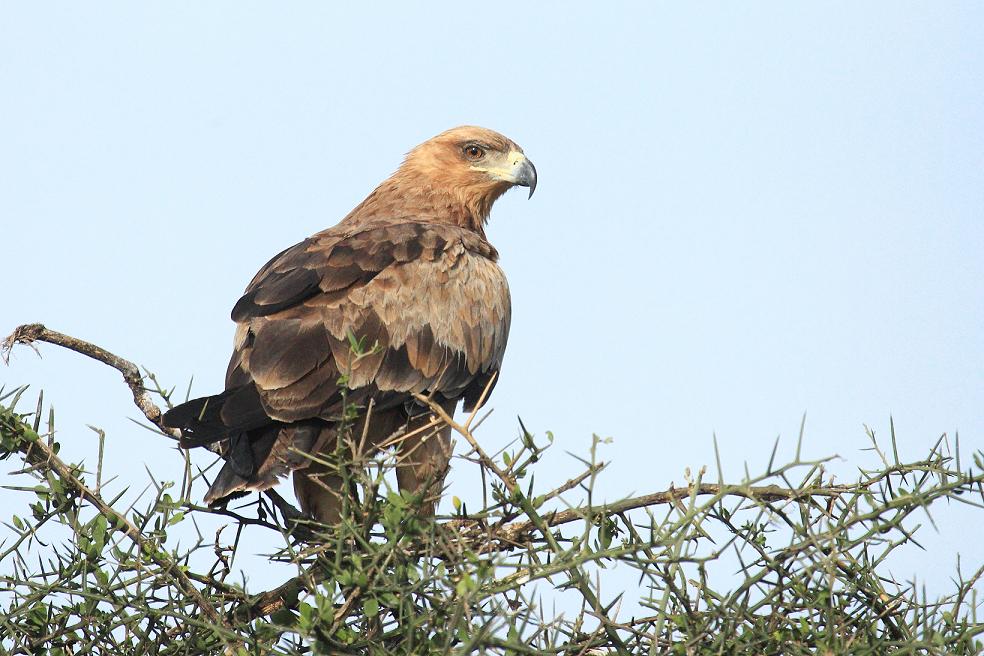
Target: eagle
(403,296)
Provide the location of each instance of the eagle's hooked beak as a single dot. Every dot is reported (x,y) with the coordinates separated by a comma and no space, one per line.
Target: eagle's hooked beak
(516,169)
(524,173)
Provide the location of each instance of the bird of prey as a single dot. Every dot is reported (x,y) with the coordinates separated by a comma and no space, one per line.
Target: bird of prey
(402,296)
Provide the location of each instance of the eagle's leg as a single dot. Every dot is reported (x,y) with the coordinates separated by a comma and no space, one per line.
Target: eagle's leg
(422,460)
(319,493)
(317,485)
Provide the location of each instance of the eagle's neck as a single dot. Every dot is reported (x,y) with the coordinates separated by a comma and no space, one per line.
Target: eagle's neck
(400,199)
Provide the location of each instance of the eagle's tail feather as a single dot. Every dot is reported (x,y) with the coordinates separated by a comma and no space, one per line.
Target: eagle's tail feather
(257,459)
(210,419)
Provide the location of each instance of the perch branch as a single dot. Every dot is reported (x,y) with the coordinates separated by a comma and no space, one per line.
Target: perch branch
(36,332)
(511,533)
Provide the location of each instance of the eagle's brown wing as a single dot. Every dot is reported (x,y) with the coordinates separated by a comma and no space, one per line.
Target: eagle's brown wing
(380,311)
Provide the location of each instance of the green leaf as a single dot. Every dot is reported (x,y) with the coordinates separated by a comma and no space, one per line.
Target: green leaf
(99,533)
(306,612)
(284,617)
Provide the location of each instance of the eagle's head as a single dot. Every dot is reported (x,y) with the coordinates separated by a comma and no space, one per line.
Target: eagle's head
(472,165)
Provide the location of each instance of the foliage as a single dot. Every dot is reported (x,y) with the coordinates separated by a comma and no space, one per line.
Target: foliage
(86,575)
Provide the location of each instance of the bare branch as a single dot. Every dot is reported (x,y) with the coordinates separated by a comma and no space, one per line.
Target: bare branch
(36,332)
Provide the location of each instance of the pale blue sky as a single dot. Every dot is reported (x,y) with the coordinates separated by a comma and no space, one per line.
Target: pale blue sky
(745,212)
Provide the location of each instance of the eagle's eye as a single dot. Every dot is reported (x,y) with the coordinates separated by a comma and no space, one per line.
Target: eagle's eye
(474,153)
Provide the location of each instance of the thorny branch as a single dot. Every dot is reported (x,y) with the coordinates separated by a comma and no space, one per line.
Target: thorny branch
(476,536)
(512,536)
(41,455)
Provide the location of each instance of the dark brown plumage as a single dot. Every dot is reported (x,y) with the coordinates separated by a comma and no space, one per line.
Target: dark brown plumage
(409,279)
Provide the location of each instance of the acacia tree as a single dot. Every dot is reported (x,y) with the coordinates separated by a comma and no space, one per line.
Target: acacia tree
(83,574)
